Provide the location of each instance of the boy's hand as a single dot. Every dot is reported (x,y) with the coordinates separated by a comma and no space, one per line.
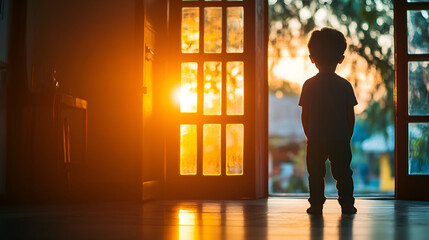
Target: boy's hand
(304,119)
(351,120)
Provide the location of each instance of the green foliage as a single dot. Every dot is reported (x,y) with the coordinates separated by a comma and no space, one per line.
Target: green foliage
(418,84)
(418,29)
(418,147)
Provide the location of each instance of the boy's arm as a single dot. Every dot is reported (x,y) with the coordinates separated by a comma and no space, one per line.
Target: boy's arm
(351,120)
(304,119)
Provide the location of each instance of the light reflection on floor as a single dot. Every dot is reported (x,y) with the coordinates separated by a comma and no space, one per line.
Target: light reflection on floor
(278,218)
(275,218)
(187,224)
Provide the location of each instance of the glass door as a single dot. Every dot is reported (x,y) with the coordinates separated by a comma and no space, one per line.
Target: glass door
(213,49)
(412,100)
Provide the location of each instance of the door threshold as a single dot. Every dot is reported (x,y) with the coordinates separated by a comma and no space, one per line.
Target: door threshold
(372,196)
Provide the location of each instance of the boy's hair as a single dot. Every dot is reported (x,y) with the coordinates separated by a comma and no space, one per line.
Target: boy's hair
(327,46)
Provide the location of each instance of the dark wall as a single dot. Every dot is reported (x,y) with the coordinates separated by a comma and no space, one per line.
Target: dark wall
(4,15)
(92,46)
(4,10)
(17,122)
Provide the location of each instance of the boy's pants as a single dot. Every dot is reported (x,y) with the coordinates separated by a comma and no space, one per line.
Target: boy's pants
(340,157)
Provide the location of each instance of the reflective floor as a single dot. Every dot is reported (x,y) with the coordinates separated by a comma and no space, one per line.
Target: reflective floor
(275,218)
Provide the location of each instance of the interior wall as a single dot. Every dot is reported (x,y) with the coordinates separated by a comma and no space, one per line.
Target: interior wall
(4,10)
(93,48)
(2,131)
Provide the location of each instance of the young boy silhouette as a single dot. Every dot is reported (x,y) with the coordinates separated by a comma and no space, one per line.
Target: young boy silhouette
(327,102)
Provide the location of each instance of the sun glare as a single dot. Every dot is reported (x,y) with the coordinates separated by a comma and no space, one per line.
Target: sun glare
(287,69)
(188,99)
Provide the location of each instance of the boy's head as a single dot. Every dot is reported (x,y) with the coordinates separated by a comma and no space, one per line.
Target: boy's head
(327,46)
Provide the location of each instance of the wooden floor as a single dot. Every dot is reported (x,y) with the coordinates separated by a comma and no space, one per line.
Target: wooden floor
(274,218)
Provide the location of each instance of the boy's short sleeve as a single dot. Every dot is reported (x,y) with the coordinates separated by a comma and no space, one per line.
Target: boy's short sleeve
(303,99)
(351,98)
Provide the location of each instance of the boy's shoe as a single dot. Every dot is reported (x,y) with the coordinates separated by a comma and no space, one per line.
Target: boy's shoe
(348,209)
(315,209)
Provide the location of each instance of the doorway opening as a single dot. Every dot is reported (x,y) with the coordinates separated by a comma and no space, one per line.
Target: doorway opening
(368,65)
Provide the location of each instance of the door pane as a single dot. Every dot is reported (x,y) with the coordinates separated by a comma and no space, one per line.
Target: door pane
(188,89)
(234,88)
(418,148)
(211,149)
(235,30)
(418,88)
(190,30)
(188,149)
(234,149)
(418,34)
(212,88)
(213,29)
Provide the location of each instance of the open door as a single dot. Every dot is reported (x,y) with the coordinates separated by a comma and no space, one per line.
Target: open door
(151,60)
(412,99)
(217,137)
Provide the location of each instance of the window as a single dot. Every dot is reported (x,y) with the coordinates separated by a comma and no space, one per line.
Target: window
(212,85)
(418,91)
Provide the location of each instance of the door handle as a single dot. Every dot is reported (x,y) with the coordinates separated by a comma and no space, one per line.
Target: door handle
(149,54)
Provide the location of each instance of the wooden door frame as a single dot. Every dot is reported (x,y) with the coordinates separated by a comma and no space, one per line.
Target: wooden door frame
(412,187)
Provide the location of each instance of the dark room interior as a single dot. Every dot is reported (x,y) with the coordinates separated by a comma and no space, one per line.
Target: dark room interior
(148,119)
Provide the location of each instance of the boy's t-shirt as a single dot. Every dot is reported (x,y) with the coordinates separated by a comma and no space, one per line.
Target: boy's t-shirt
(327,97)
